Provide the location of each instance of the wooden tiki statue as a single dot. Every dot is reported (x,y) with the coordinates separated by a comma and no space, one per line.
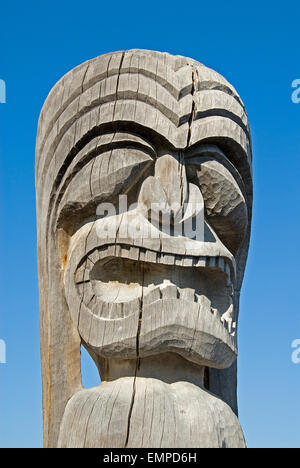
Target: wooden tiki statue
(144,192)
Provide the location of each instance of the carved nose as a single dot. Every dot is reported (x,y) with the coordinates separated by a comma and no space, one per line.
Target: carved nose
(168,189)
(167,197)
(170,171)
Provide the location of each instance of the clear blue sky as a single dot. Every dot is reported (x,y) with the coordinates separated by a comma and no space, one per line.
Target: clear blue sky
(255,45)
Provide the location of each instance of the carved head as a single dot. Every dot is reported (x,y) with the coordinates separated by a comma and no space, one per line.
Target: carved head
(164,141)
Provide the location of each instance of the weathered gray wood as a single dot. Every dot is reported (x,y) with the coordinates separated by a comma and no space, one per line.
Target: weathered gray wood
(156,308)
(179,414)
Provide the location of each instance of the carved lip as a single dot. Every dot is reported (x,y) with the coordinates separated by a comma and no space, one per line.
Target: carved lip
(87,248)
(141,254)
(109,280)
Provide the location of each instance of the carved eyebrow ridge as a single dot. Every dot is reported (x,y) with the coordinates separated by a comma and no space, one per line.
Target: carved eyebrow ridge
(131,141)
(203,153)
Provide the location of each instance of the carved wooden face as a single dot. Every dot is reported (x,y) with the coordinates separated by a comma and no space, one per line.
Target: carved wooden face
(174,137)
(170,292)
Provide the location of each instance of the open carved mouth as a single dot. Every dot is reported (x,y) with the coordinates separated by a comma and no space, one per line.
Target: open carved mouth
(116,280)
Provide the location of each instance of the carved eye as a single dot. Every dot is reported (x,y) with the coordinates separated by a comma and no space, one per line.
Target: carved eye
(225,205)
(102,179)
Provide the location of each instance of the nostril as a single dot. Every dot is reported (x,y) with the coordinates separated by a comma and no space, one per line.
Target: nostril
(195,204)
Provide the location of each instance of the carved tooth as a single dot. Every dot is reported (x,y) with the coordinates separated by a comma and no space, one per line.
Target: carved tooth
(150,256)
(168,259)
(188,261)
(226,318)
(125,251)
(187,294)
(152,296)
(99,309)
(115,310)
(142,255)
(104,310)
(134,253)
(131,307)
(204,302)
(111,251)
(169,292)
(118,251)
